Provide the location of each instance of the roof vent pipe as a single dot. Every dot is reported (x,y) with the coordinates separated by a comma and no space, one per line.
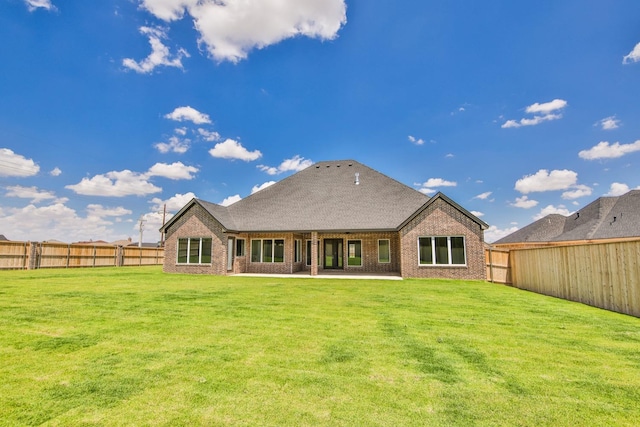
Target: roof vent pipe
(357,182)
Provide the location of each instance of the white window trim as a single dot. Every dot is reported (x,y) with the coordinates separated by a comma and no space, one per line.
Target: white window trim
(433,252)
(273,249)
(384,262)
(188,239)
(297,254)
(361,254)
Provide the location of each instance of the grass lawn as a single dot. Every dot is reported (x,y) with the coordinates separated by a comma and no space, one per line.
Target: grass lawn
(134,346)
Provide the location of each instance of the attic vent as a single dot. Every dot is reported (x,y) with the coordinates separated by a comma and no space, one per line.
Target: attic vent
(357,182)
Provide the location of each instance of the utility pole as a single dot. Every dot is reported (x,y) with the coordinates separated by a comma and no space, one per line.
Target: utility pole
(164,216)
(141,226)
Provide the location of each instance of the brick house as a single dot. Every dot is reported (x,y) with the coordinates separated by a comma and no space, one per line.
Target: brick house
(337,215)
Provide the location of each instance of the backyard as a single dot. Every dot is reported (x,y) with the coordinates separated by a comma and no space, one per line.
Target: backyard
(135,346)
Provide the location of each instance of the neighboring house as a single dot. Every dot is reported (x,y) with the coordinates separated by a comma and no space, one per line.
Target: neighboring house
(337,215)
(605,218)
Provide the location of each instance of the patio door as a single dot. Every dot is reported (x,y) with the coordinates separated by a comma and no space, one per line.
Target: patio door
(333,254)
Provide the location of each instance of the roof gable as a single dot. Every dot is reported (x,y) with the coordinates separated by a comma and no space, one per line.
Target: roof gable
(335,195)
(327,196)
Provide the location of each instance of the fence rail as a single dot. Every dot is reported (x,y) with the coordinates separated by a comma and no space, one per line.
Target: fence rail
(35,255)
(600,274)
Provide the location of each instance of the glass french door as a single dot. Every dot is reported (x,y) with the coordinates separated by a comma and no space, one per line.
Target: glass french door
(333,254)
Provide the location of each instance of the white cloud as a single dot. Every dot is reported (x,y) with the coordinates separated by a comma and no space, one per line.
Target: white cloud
(483,196)
(544,180)
(174,204)
(262,186)
(428,186)
(115,184)
(416,141)
(159,56)
(209,135)
(524,202)
(231,200)
(542,113)
(294,164)
(609,123)
(633,56)
(604,150)
(618,189)
(478,214)
(577,192)
(60,222)
(188,113)
(230,29)
(100,211)
(547,107)
(181,131)
(550,209)
(230,149)
(494,233)
(55,172)
(174,171)
(32,193)
(39,4)
(12,164)
(175,145)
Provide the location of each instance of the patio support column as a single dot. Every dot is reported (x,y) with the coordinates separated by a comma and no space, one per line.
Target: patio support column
(314,253)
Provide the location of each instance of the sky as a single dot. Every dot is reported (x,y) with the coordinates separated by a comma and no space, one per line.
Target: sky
(112,110)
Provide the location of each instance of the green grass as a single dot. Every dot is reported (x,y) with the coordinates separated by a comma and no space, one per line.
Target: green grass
(134,346)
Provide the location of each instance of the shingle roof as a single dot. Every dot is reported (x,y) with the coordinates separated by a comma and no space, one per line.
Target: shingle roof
(604,218)
(543,230)
(327,196)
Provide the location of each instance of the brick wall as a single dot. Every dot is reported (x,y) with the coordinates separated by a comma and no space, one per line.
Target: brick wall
(196,222)
(443,219)
(369,247)
(286,267)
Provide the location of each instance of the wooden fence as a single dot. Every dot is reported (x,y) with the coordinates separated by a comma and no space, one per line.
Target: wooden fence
(34,255)
(604,275)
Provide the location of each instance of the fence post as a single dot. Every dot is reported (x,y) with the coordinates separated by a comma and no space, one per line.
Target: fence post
(68,254)
(490,265)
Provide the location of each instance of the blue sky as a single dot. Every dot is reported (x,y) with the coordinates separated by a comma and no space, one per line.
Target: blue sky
(111,110)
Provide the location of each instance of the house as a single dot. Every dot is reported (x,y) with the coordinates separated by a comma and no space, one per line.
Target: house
(335,215)
(605,218)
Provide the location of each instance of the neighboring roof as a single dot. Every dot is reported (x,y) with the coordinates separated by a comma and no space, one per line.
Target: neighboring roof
(3,238)
(604,218)
(327,196)
(543,230)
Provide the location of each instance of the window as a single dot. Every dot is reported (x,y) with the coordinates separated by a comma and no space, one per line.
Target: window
(384,251)
(267,250)
(354,255)
(240,250)
(297,251)
(194,250)
(441,251)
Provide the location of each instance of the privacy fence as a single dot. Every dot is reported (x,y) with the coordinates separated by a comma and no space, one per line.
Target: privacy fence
(600,274)
(34,255)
